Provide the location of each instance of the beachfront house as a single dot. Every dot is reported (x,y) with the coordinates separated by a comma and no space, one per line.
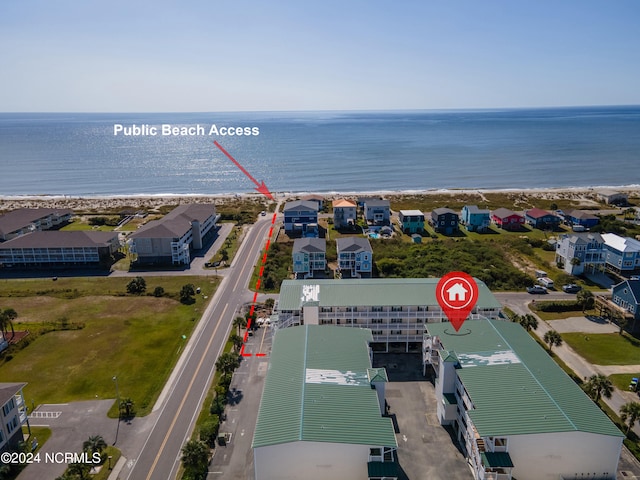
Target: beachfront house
(12,416)
(411,221)
(475,219)
(322,409)
(301,218)
(318,199)
(170,240)
(355,257)
(26,220)
(515,413)
(579,253)
(377,212)
(622,254)
(542,219)
(507,219)
(55,248)
(579,217)
(612,197)
(344,213)
(445,221)
(309,257)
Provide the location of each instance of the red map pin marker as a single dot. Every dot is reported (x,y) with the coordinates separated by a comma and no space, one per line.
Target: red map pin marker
(457,294)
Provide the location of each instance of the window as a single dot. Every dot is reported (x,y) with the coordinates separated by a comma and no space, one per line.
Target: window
(11,426)
(376,309)
(10,405)
(396,309)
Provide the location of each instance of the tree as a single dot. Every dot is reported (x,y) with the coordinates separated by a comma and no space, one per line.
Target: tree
(7,316)
(195,459)
(158,292)
(209,430)
(237,341)
(553,339)
(94,444)
(127,409)
(598,386)
(575,261)
(224,255)
(137,286)
(629,414)
(239,322)
(269,303)
(79,470)
(585,299)
(186,293)
(529,322)
(227,363)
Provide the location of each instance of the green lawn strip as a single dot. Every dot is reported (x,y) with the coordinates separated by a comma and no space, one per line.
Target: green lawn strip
(136,338)
(41,434)
(561,315)
(231,246)
(605,348)
(623,380)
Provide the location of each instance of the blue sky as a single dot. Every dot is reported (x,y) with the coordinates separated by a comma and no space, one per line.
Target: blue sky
(239,55)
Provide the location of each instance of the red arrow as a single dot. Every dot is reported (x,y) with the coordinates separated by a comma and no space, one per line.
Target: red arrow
(261,187)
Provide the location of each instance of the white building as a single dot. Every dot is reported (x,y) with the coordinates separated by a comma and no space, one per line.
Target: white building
(345,213)
(514,411)
(321,410)
(395,309)
(169,241)
(13,414)
(586,248)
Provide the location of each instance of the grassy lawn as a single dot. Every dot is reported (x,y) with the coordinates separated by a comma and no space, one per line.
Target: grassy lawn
(605,348)
(136,338)
(78,224)
(622,380)
(231,245)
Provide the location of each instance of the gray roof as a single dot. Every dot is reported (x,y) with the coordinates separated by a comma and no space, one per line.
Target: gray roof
(443,211)
(309,245)
(23,217)
(309,205)
(376,202)
(504,212)
(318,389)
(584,238)
(177,222)
(8,390)
(475,209)
(515,386)
(580,214)
(60,239)
(294,294)
(353,244)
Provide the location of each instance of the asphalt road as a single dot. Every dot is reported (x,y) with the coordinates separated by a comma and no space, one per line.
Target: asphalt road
(160,456)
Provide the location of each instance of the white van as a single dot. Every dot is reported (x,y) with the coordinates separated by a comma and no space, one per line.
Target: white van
(545,282)
(540,273)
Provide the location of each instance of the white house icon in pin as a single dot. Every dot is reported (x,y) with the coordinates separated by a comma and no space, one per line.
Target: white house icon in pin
(457,293)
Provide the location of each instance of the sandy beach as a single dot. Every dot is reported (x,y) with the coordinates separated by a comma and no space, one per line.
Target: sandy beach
(581,197)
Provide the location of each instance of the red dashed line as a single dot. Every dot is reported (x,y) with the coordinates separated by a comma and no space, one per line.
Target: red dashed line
(255,294)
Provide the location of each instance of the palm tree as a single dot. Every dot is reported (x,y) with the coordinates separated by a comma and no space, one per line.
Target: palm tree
(237,341)
(195,458)
(629,414)
(598,386)
(585,299)
(553,339)
(239,322)
(94,444)
(126,407)
(227,363)
(79,470)
(7,316)
(529,322)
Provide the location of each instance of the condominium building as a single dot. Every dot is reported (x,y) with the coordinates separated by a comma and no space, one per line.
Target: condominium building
(12,416)
(170,240)
(513,410)
(58,248)
(395,309)
(26,220)
(321,412)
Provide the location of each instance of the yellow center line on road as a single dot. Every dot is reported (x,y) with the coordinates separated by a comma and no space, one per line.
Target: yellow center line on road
(184,398)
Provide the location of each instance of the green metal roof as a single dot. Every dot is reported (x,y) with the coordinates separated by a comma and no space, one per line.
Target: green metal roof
(317,389)
(370,292)
(496,460)
(515,386)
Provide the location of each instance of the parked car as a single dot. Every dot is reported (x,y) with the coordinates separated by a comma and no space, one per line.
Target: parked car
(571,288)
(536,289)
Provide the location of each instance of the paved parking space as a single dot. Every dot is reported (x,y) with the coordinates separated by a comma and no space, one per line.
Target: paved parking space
(589,324)
(425,448)
(235,460)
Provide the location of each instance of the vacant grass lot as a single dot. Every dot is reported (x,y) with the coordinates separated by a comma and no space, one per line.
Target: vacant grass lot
(605,348)
(136,338)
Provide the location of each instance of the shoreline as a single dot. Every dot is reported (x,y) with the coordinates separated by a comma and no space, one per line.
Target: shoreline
(107,202)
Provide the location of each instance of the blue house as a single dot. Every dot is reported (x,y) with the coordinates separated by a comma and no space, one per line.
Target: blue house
(474,219)
(626,295)
(542,219)
(301,218)
(309,258)
(445,220)
(622,254)
(580,217)
(377,212)
(411,221)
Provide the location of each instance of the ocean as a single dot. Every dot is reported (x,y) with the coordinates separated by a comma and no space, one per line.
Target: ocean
(79,154)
